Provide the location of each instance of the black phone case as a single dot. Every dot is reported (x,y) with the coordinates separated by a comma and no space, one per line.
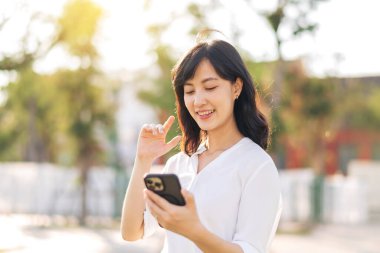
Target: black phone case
(170,190)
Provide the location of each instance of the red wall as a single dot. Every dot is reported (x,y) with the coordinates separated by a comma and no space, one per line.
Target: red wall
(363,141)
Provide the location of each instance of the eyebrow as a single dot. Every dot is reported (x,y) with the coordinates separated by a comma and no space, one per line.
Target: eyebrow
(204,80)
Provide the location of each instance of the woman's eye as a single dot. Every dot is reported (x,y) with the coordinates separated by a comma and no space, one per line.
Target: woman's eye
(189,92)
(211,88)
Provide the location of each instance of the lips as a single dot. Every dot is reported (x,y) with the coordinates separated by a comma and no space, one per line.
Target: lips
(205,114)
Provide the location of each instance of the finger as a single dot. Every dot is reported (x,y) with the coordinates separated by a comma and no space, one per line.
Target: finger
(169,122)
(154,209)
(174,142)
(154,129)
(160,128)
(189,197)
(159,201)
(146,128)
(150,204)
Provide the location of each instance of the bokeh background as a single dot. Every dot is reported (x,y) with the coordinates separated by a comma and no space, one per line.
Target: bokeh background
(78,78)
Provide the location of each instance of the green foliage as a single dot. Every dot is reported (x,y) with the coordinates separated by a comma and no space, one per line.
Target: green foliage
(359,105)
(306,113)
(262,74)
(305,102)
(319,98)
(161,95)
(63,117)
(299,22)
(374,108)
(30,118)
(78,25)
(85,111)
(16,62)
(275,18)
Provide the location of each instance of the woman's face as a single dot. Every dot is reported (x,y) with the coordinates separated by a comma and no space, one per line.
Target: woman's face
(210,99)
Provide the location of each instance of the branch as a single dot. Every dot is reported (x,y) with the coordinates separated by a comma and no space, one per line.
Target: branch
(25,58)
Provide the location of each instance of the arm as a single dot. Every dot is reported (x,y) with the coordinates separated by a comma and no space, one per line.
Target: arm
(259,210)
(184,220)
(132,226)
(151,144)
(210,243)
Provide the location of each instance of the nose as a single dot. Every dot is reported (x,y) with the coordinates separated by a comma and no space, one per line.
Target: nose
(199,98)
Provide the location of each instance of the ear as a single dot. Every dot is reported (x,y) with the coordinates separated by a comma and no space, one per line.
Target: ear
(237,86)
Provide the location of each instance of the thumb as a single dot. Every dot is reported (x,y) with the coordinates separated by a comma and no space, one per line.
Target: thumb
(173,142)
(189,197)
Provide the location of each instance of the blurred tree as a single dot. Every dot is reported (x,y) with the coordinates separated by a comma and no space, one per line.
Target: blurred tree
(161,95)
(359,105)
(27,54)
(308,112)
(87,109)
(66,116)
(29,128)
(21,136)
(373,107)
(288,20)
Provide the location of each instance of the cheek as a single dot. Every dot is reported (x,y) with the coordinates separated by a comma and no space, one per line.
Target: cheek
(188,102)
(226,99)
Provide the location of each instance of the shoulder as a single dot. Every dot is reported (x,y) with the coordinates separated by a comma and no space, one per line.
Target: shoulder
(252,159)
(251,153)
(176,161)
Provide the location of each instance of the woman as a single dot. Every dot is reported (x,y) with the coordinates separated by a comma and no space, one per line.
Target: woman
(230,184)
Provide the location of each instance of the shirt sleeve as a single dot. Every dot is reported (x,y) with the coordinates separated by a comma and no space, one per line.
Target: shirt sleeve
(150,222)
(259,210)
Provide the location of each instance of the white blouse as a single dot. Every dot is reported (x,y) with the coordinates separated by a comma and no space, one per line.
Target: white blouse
(237,197)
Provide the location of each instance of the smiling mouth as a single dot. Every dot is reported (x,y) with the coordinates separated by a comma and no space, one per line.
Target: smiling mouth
(205,113)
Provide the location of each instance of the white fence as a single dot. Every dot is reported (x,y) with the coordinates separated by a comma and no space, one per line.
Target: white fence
(49,189)
(368,173)
(297,195)
(347,200)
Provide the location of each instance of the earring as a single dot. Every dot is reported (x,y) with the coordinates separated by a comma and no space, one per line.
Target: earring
(237,96)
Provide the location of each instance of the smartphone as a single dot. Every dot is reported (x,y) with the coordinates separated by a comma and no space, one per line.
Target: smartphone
(167,186)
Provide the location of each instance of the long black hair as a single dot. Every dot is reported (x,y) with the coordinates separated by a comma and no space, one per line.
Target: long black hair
(228,65)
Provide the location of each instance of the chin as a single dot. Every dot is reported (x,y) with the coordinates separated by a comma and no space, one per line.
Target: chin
(206,128)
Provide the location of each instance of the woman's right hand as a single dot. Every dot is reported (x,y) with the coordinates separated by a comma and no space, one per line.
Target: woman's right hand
(152,141)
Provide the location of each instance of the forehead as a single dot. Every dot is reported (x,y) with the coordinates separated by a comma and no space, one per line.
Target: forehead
(204,70)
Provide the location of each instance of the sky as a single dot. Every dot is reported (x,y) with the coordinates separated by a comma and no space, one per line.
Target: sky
(345,44)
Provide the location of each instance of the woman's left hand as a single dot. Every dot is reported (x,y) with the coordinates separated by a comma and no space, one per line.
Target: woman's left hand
(182,220)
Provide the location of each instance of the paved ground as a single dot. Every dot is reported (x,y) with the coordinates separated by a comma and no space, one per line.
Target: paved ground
(23,234)
(331,239)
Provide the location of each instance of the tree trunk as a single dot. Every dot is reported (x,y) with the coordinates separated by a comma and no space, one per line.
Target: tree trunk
(35,149)
(278,78)
(84,183)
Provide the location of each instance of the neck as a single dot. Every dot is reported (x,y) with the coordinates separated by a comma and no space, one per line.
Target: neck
(222,139)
